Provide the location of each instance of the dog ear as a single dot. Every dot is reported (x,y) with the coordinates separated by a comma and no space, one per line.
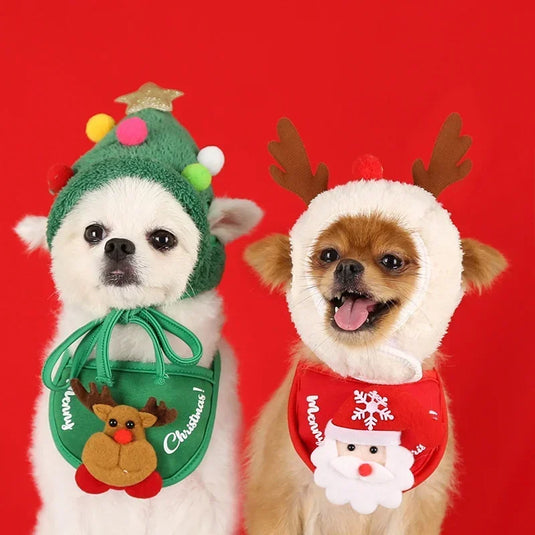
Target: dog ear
(481,264)
(271,259)
(32,231)
(231,218)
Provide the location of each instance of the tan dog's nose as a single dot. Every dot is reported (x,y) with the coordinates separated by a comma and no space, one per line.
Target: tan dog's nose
(348,270)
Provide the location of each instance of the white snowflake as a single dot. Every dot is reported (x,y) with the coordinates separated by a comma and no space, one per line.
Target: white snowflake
(372,402)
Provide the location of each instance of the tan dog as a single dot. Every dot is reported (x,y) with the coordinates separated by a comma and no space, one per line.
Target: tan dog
(373,271)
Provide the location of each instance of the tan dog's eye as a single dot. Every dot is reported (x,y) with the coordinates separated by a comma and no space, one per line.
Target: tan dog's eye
(391,262)
(329,255)
(112,422)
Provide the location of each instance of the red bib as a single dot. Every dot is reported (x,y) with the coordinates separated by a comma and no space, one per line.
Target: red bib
(317,395)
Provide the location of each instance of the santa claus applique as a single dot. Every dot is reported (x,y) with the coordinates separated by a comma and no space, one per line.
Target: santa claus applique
(367,443)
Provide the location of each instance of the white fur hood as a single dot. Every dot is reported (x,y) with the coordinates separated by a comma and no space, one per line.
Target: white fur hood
(423,321)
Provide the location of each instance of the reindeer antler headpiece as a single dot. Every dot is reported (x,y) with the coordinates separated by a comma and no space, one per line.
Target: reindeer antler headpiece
(438,288)
(296,174)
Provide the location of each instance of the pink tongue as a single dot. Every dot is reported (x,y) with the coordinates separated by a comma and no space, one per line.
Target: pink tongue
(353,313)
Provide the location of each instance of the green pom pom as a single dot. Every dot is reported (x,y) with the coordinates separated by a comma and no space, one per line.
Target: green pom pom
(198,176)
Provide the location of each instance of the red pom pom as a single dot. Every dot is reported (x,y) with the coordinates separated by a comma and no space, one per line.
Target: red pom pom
(123,436)
(58,176)
(367,166)
(365,469)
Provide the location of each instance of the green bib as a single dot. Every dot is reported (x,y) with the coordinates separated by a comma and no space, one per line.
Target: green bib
(190,389)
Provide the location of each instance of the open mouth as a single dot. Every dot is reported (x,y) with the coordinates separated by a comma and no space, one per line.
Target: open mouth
(354,311)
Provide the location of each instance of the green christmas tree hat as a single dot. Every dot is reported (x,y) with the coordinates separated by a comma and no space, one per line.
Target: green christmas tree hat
(151,144)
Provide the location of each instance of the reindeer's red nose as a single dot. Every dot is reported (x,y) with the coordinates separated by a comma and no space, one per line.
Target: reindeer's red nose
(365,469)
(123,436)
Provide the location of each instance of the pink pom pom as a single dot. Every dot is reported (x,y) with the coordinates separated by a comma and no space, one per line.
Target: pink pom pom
(132,131)
(367,166)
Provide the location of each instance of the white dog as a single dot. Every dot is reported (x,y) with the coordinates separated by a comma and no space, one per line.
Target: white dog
(161,244)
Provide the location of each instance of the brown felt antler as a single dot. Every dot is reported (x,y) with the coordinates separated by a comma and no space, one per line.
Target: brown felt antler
(449,148)
(93,397)
(296,174)
(163,414)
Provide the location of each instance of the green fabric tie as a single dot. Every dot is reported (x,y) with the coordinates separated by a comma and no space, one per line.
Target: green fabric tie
(97,334)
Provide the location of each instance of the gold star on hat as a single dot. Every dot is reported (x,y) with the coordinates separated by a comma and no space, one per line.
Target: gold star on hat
(149,95)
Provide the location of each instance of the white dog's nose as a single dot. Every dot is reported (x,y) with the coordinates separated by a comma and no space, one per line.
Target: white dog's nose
(119,248)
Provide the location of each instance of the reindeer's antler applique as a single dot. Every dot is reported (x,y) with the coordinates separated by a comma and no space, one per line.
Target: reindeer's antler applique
(296,174)
(93,397)
(163,414)
(443,168)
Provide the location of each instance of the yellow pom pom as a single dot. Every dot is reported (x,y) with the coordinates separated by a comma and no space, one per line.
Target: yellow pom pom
(98,126)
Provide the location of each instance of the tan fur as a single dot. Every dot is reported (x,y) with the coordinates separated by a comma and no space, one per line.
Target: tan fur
(282,498)
(367,239)
(270,258)
(481,264)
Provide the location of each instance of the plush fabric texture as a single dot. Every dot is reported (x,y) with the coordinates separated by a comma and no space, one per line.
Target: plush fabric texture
(424,319)
(98,126)
(180,446)
(148,488)
(322,404)
(120,465)
(166,151)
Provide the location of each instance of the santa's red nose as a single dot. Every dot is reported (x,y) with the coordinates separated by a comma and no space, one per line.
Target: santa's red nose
(365,469)
(123,436)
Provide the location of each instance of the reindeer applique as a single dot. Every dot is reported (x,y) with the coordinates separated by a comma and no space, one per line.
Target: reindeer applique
(120,457)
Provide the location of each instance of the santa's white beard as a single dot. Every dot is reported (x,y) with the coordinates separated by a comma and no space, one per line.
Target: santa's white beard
(339,476)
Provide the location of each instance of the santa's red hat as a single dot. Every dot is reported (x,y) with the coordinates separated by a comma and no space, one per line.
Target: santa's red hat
(368,417)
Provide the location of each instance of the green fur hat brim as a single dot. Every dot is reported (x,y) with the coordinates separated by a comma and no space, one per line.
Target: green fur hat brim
(211,258)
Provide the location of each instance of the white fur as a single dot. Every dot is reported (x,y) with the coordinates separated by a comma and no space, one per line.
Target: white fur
(424,319)
(230,218)
(362,436)
(206,501)
(32,231)
(128,208)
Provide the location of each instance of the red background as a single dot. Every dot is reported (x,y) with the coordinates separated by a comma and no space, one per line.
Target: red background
(355,77)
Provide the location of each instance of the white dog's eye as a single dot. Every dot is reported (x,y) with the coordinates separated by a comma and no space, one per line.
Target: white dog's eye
(94,233)
(374,449)
(162,240)
(351,447)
